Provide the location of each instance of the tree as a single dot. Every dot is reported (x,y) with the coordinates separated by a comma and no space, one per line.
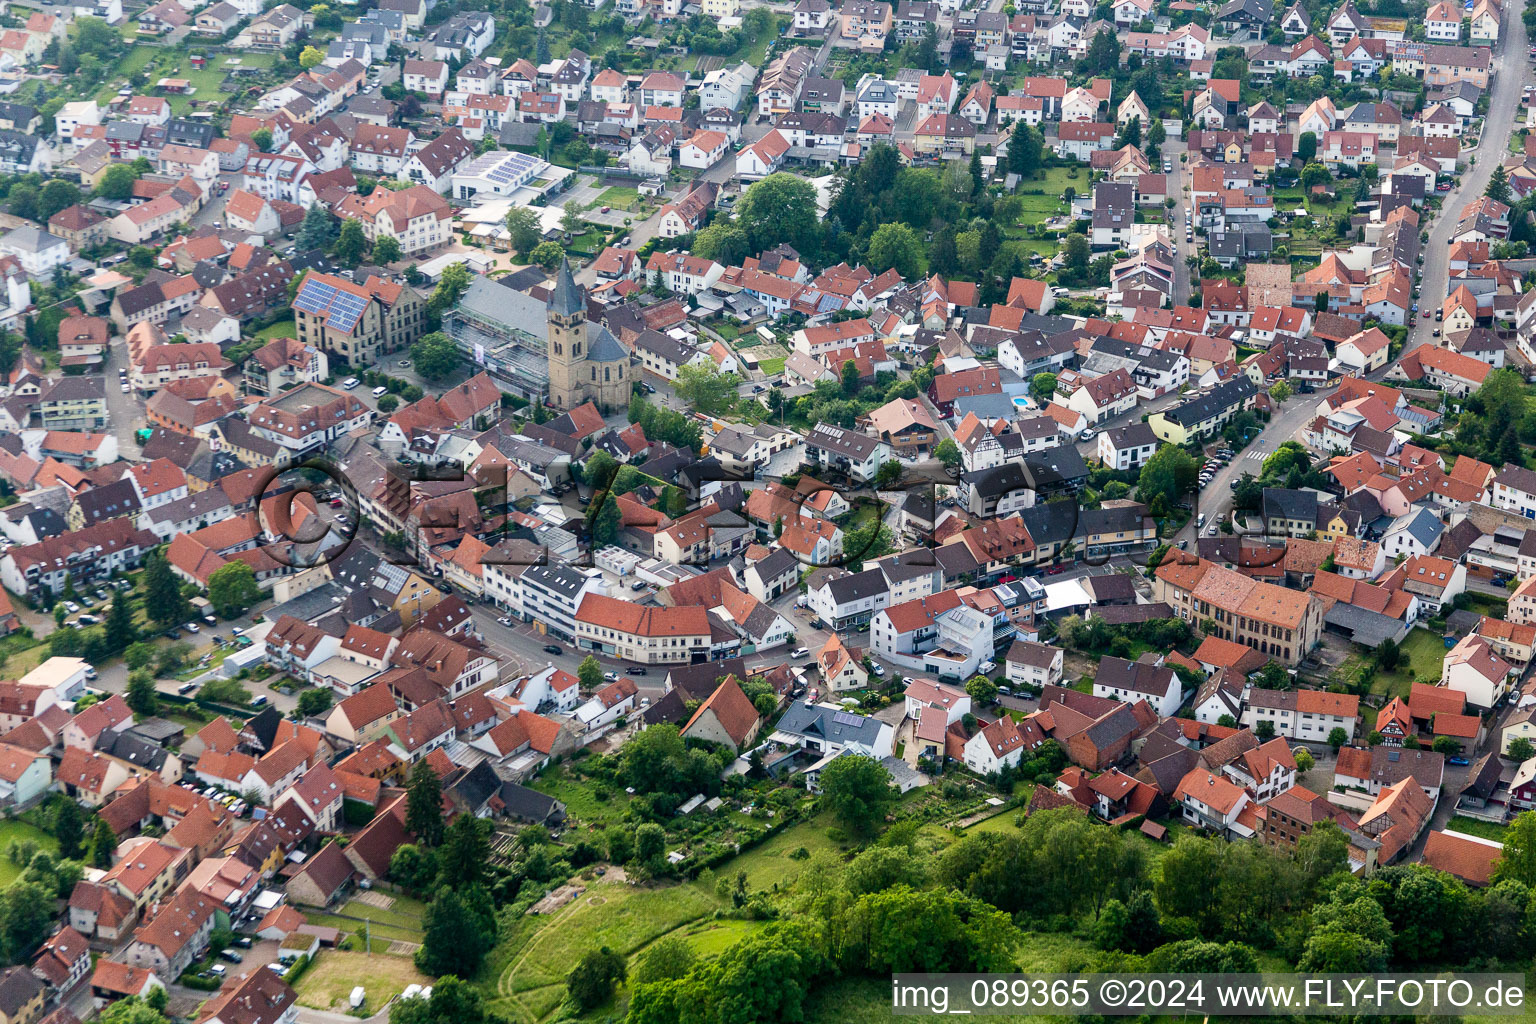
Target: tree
(386,250)
(1387,655)
(590,673)
(894,245)
(523,227)
(1313,175)
(466,851)
(232,588)
(570,218)
(140,695)
(261,138)
(424,805)
(388,403)
(724,242)
(850,378)
(780,208)
(26,918)
(453,284)
(1169,474)
(981,689)
(314,702)
(1043,386)
(547,254)
(1265,730)
(947,452)
(668,958)
(119,629)
(134,1010)
(458,929)
(857,790)
(435,356)
(889,475)
(56,195)
(311,57)
(1521,749)
(1518,862)
(705,388)
(116,182)
(318,230)
(163,599)
(1446,745)
(1306,147)
(650,845)
(1304,760)
(1104,53)
(351,244)
(69,828)
(1025,145)
(620,844)
(605,523)
(103,845)
(1078,253)
(1498,186)
(1280,392)
(592,980)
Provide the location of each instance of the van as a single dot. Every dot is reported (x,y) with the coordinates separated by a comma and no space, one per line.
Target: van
(380,391)
(1199,522)
(350,383)
(259,701)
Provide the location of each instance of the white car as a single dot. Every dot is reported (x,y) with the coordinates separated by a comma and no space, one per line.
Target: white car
(125,387)
(799,652)
(878,669)
(380,392)
(190,627)
(350,383)
(71,607)
(612,677)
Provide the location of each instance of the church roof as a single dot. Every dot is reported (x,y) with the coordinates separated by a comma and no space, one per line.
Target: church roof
(602,346)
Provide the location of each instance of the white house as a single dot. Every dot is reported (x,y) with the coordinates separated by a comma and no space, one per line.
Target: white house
(1130,681)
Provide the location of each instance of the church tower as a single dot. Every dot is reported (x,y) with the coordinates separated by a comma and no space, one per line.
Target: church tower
(567,318)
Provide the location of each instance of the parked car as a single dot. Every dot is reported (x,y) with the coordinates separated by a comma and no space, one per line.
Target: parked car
(186,688)
(636,670)
(190,627)
(260,701)
(612,677)
(799,652)
(71,607)
(380,391)
(553,649)
(350,383)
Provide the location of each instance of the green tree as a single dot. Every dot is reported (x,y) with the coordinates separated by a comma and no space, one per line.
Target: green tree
(605,523)
(1306,147)
(850,378)
(547,254)
(311,57)
(26,919)
(857,789)
(424,805)
(140,695)
(1280,392)
(1169,474)
(458,929)
(947,452)
(650,845)
(435,356)
(668,958)
(1304,760)
(888,475)
(69,828)
(1313,175)
(981,689)
(570,219)
(453,284)
(1043,386)
(351,244)
(1518,861)
(590,673)
(386,250)
(780,208)
(232,588)
(466,851)
(1446,745)
(56,195)
(1387,655)
(318,229)
(1498,185)
(523,227)
(388,403)
(1521,749)
(134,1010)
(1025,146)
(895,246)
(1265,730)
(591,982)
(103,845)
(1337,738)
(706,389)
(314,702)
(261,138)
(620,844)
(116,182)
(119,629)
(163,600)
(724,242)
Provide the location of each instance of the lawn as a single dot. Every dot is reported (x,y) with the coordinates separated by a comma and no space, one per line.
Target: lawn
(400,923)
(330,979)
(771,366)
(281,329)
(160,62)
(1423,653)
(15,832)
(580,802)
(620,197)
(1481,829)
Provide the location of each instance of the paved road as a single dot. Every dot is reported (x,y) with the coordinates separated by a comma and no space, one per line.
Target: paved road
(1504,104)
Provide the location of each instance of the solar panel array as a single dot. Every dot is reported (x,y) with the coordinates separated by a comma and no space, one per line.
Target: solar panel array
(342,309)
(847,718)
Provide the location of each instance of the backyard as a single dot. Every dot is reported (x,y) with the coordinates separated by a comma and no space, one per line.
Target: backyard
(392,928)
(15,832)
(159,62)
(1422,654)
(329,981)
(281,329)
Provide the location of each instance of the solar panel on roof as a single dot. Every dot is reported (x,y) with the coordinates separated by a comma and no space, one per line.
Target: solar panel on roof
(847,718)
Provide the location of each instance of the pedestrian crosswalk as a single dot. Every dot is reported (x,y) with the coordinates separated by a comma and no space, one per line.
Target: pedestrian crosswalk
(1254,455)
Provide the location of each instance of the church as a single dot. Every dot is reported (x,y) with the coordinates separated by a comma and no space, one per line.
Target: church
(586,362)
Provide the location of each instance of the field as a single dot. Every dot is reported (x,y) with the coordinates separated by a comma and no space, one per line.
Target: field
(16,831)
(620,197)
(1423,653)
(400,923)
(580,803)
(771,366)
(331,978)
